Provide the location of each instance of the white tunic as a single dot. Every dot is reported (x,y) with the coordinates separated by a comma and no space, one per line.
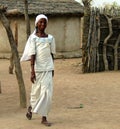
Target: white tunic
(30,46)
(42,48)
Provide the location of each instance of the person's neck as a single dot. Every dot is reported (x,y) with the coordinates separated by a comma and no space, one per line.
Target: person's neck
(41,33)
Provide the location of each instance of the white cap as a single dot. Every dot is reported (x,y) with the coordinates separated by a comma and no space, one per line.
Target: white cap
(40,16)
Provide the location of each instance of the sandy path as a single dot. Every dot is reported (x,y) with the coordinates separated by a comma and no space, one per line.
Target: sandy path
(98,92)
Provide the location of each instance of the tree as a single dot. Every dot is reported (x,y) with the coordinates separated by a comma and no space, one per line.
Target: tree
(11,67)
(18,70)
(28,29)
(87,11)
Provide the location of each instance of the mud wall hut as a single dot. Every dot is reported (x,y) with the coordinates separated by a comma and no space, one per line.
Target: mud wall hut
(64,23)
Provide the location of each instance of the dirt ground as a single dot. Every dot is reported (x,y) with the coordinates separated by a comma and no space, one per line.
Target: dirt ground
(99,94)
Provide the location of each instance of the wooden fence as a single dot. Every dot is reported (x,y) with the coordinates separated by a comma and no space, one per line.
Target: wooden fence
(103,46)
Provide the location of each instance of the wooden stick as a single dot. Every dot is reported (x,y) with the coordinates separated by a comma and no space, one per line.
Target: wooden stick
(16,33)
(18,70)
(105,43)
(90,38)
(98,38)
(0,88)
(116,53)
(11,67)
(13,12)
(10,12)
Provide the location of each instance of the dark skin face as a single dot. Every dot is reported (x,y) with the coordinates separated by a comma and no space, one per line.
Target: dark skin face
(41,26)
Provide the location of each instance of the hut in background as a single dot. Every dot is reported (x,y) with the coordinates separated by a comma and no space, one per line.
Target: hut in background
(64,23)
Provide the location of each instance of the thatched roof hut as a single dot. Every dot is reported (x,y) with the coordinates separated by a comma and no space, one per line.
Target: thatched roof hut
(48,7)
(64,23)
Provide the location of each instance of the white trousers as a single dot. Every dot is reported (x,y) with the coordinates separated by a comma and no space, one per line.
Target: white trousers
(41,93)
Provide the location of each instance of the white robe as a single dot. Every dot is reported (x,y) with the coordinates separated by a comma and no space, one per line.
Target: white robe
(41,93)
(42,89)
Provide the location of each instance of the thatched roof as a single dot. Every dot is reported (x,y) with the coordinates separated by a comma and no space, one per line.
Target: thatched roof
(48,7)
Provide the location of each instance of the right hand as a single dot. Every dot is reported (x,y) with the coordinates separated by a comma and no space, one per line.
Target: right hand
(33,77)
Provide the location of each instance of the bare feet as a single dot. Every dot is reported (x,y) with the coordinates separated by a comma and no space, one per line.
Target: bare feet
(45,122)
(29,113)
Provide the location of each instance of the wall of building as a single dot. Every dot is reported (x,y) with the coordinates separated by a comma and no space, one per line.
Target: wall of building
(66,30)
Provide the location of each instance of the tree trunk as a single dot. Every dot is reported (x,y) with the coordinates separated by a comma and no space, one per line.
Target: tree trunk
(0,88)
(11,67)
(90,38)
(18,70)
(105,43)
(116,53)
(28,29)
(85,35)
(98,38)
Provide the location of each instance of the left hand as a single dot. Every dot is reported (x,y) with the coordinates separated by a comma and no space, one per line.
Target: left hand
(33,77)
(52,73)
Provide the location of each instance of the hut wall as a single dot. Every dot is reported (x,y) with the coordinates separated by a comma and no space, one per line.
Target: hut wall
(66,31)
